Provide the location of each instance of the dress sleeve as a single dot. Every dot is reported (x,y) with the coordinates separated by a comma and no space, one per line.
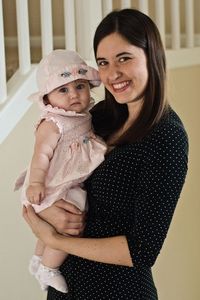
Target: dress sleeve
(158,188)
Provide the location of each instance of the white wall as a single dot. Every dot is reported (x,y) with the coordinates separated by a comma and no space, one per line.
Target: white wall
(177,270)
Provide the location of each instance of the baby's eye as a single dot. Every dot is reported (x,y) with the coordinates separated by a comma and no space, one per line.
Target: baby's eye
(63,90)
(80,86)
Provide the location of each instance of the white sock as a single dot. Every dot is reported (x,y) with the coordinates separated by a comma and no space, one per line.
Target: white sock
(51,277)
(34,264)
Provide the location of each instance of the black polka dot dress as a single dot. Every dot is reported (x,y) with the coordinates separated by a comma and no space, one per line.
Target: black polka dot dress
(134,193)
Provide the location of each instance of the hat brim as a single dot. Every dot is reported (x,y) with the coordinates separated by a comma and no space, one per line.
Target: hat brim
(88,73)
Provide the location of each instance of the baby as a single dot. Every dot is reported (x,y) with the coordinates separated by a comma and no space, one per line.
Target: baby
(66,150)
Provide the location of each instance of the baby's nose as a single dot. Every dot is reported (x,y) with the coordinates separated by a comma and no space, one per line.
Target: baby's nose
(73,93)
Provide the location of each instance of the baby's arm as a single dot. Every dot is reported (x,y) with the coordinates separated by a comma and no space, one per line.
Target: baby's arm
(46,139)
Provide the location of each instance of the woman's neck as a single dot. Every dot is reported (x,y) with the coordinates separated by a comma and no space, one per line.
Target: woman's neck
(134,109)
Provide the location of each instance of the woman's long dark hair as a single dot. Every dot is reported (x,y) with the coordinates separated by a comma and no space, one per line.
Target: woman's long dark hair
(139,30)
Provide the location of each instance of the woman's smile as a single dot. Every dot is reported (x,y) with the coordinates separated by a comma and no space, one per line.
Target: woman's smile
(121,86)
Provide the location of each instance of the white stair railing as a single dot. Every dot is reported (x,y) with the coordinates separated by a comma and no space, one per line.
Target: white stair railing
(70,24)
(143,6)
(80,19)
(160,18)
(3,86)
(189,23)
(106,7)
(46,26)
(175,24)
(125,4)
(23,36)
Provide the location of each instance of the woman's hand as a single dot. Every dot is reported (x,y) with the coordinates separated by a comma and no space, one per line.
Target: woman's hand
(40,228)
(65,217)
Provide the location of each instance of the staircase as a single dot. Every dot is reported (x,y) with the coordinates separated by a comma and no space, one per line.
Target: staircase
(44,25)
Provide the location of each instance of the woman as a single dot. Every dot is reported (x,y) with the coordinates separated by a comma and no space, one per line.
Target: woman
(133,193)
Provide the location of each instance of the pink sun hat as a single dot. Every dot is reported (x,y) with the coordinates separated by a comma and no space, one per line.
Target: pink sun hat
(61,67)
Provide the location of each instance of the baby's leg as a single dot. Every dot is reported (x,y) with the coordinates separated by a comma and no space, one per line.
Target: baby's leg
(39,248)
(53,258)
(48,272)
(37,257)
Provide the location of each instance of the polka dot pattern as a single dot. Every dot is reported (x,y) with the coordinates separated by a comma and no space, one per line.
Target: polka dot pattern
(134,193)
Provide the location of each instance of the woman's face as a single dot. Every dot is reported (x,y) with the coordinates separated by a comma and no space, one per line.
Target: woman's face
(122,68)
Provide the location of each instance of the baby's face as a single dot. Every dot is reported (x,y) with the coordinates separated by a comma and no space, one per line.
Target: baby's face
(73,96)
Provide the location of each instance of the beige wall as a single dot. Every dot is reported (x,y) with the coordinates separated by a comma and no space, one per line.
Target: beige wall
(177,270)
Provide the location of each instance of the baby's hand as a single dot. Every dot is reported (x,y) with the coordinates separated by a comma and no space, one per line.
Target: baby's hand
(35,193)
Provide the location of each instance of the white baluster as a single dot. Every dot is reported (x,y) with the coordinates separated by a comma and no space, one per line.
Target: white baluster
(125,4)
(88,16)
(160,18)
(46,26)
(70,29)
(3,88)
(23,36)
(189,23)
(175,24)
(143,6)
(106,7)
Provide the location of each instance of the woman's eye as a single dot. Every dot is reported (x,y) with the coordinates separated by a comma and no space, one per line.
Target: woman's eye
(124,58)
(102,63)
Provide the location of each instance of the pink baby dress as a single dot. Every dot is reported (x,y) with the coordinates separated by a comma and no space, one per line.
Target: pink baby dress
(76,155)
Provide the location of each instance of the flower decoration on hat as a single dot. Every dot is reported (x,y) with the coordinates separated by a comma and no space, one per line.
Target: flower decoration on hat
(82,71)
(66,74)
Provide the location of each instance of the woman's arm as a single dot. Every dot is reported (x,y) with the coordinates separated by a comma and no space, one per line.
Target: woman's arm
(46,139)
(65,217)
(112,250)
(157,191)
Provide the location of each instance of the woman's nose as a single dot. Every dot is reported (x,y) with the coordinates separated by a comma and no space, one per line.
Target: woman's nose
(113,72)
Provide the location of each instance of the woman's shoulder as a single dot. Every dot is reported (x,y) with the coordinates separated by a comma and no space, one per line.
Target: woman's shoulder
(168,133)
(170,125)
